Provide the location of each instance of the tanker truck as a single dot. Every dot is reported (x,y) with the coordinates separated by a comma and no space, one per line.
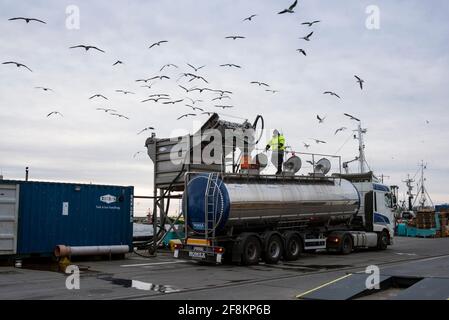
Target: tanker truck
(246,219)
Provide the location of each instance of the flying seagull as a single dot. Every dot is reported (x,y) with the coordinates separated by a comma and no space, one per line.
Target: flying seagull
(98,96)
(159,95)
(272,91)
(351,117)
(44,88)
(259,83)
(310,23)
(360,81)
(187,90)
(158,77)
(87,48)
(155,99)
(27,20)
(311,162)
(198,77)
(17,64)
(221,97)
(318,141)
(194,108)
(143,80)
(173,102)
(168,65)
(157,43)
(124,91)
(149,86)
(306,145)
(145,129)
(250,17)
(234,37)
(54,113)
(194,68)
(106,110)
(332,94)
(222,92)
(201,89)
(194,101)
(307,37)
(186,115)
(339,129)
(137,153)
(320,120)
(230,65)
(224,107)
(119,115)
(290,9)
(117,62)
(302,51)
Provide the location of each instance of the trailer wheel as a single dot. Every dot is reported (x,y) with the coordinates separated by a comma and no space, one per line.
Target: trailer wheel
(273,250)
(346,244)
(251,251)
(382,241)
(293,247)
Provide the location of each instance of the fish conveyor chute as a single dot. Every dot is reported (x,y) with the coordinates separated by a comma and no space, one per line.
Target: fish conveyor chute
(174,157)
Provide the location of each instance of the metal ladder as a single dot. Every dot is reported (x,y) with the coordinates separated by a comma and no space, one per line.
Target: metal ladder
(209,202)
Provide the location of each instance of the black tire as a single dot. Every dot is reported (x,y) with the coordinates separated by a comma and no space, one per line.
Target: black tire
(273,250)
(293,247)
(346,244)
(383,240)
(251,251)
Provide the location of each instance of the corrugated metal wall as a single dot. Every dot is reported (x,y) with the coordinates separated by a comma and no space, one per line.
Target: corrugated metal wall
(72,214)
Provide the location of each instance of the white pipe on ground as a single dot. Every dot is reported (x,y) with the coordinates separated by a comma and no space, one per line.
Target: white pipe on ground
(66,251)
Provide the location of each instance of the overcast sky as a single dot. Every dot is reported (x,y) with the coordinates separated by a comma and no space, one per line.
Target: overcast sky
(404,63)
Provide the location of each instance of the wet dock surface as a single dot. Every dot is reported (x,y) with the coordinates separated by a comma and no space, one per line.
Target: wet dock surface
(163,277)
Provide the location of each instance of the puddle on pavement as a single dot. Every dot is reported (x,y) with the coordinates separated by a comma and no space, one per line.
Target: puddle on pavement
(140,285)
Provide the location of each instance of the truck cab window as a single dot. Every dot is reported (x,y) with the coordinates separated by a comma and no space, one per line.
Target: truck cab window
(388,200)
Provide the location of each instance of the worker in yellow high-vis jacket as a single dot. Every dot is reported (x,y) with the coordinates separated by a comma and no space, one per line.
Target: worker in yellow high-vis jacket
(277,145)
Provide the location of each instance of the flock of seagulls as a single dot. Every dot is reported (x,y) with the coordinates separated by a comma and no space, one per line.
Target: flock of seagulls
(191,78)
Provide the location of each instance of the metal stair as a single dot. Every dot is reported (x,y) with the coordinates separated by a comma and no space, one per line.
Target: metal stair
(210,202)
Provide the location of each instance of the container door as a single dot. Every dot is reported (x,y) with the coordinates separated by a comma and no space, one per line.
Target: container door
(9,205)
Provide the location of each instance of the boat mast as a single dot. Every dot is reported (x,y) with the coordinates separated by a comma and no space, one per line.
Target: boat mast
(361,158)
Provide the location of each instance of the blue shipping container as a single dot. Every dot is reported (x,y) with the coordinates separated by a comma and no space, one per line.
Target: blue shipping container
(71,214)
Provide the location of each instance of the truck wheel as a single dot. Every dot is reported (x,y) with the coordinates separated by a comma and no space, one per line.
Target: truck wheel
(273,250)
(293,247)
(382,241)
(346,244)
(251,251)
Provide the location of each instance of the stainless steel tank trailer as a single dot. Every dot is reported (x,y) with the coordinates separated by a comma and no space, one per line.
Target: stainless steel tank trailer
(232,211)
